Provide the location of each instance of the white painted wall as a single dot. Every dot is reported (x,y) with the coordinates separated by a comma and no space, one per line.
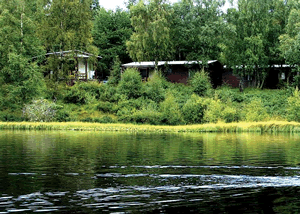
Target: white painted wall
(81,68)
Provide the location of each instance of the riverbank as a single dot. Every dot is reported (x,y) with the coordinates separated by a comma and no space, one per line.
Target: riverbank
(271,127)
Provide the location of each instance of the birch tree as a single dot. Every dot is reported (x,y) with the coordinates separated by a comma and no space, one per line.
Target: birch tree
(254,46)
(290,40)
(151,39)
(66,25)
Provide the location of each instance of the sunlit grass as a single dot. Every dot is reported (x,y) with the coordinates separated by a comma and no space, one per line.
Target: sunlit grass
(270,126)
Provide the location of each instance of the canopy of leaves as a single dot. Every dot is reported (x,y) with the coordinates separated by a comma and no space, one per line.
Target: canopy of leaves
(20,79)
(254,44)
(110,32)
(66,25)
(151,39)
(290,40)
(198,29)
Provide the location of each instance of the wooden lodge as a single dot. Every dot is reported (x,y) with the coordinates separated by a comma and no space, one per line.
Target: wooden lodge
(276,74)
(77,63)
(180,71)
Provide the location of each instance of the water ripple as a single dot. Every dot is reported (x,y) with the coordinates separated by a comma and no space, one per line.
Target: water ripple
(153,189)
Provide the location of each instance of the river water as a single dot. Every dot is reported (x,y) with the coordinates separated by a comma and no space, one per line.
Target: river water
(113,172)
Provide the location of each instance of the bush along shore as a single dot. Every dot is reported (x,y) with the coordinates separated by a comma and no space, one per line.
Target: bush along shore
(130,101)
(260,127)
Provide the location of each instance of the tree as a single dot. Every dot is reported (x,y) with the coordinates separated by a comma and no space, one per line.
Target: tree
(198,29)
(20,78)
(66,25)
(290,40)
(253,47)
(129,3)
(18,30)
(95,4)
(151,39)
(110,32)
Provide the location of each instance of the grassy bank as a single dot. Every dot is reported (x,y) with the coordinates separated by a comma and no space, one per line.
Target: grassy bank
(271,126)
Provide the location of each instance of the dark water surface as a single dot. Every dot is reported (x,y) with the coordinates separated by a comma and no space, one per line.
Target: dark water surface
(105,172)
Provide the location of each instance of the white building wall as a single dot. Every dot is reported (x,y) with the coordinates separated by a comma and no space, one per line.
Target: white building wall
(90,68)
(81,65)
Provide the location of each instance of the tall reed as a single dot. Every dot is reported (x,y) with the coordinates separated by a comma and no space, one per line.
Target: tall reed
(271,127)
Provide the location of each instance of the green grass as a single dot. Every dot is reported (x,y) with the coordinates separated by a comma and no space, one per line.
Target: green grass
(271,126)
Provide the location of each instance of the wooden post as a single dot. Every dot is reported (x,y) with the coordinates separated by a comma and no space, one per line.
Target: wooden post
(86,69)
(76,68)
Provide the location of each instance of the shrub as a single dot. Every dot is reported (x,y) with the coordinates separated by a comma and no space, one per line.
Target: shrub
(7,116)
(131,84)
(180,92)
(115,73)
(155,88)
(107,107)
(84,92)
(229,94)
(110,94)
(142,116)
(296,82)
(147,116)
(293,108)
(213,110)
(40,110)
(55,90)
(148,113)
(170,111)
(229,114)
(93,88)
(200,83)
(124,114)
(62,115)
(274,101)
(131,104)
(193,110)
(254,111)
(104,119)
(87,119)
(75,95)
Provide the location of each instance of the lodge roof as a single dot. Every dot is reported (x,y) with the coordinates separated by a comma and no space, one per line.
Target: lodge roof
(252,66)
(79,54)
(151,64)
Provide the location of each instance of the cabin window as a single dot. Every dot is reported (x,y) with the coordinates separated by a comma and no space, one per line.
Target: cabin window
(144,73)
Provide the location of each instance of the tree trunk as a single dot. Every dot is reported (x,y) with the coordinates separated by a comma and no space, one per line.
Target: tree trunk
(22,34)
(156,65)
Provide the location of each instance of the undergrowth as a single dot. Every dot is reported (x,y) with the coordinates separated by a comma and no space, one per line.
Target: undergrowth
(160,102)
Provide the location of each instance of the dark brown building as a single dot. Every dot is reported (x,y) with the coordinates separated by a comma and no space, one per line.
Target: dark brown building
(180,71)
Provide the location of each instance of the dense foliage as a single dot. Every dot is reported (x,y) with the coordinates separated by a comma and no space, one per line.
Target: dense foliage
(110,32)
(160,102)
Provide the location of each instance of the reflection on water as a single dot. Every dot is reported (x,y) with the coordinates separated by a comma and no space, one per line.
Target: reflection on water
(93,172)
